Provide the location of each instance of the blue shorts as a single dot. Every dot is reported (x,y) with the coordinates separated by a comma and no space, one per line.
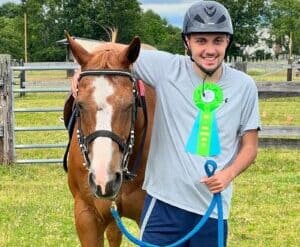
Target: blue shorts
(163,224)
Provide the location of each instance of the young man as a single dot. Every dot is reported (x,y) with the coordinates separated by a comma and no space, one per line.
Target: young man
(198,98)
(178,190)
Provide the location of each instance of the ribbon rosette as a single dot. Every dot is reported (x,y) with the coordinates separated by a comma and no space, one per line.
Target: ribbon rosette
(204,138)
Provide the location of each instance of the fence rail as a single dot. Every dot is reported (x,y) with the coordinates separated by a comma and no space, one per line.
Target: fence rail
(38,110)
(278,89)
(280,136)
(275,136)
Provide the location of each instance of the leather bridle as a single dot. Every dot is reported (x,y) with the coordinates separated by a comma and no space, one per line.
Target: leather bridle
(126,147)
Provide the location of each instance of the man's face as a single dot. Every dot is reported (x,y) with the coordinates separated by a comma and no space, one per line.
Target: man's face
(208,50)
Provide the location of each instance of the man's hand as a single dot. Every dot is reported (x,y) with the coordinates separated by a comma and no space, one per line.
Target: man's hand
(246,155)
(218,182)
(74,83)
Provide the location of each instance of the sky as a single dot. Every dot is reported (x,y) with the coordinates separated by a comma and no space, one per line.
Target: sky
(172,10)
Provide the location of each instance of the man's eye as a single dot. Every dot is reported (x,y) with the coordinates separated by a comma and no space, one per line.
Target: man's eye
(219,41)
(200,41)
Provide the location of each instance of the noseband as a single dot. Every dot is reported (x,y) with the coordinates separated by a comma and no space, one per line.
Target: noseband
(125,147)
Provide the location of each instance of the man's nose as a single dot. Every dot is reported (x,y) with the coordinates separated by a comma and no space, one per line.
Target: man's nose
(210,49)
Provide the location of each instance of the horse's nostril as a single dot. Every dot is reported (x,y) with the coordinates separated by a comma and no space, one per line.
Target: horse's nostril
(99,191)
(92,180)
(118,177)
(113,186)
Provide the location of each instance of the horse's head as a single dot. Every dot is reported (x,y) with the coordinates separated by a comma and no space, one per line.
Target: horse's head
(106,105)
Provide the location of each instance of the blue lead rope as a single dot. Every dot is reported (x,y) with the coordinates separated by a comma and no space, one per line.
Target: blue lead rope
(210,168)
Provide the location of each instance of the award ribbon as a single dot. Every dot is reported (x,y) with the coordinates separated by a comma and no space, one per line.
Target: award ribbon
(204,138)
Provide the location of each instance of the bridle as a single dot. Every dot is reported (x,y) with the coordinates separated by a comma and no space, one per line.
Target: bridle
(126,147)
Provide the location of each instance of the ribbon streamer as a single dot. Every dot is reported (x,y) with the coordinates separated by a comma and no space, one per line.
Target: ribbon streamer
(204,137)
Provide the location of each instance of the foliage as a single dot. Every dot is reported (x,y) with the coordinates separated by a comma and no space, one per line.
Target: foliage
(90,19)
(159,33)
(285,21)
(246,18)
(47,19)
(11,28)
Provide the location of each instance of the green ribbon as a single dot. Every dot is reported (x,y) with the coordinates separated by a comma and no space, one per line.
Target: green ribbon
(207,98)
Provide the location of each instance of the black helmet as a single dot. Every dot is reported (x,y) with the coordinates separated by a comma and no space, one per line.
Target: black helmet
(207,17)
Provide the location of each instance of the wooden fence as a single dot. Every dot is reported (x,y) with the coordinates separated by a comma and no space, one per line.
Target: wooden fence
(6,114)
(275,136)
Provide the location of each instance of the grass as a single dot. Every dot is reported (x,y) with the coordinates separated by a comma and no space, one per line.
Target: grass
(280,111)
(261,75)
(36,205)
(37,208)
(265,209)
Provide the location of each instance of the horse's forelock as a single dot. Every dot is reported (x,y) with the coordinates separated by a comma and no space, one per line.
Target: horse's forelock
(107,56)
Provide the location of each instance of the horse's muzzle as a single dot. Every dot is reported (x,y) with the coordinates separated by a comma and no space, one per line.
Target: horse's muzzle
(111,188)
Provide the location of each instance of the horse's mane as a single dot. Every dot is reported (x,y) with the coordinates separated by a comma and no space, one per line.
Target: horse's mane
(106,55)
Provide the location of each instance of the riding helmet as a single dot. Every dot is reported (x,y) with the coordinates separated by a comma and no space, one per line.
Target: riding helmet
(207,17)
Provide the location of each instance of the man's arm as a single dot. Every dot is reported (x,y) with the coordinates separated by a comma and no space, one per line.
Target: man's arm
(244,158)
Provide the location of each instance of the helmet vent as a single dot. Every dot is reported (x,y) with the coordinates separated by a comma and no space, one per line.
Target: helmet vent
(221,19)
(210,11)
(199,19)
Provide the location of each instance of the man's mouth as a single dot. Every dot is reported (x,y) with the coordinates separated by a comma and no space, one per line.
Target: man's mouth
(209,61)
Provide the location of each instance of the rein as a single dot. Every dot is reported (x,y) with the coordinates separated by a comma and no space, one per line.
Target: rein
(210,168)
(126,147)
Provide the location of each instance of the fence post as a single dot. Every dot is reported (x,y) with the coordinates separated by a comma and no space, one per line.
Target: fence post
(6,111)
(22,78)
(242,66)
(290,70)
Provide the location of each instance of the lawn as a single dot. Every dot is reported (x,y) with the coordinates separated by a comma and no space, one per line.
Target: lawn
(36,205)
(37,210)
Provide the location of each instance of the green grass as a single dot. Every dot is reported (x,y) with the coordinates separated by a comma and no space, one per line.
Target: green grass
(265,209)
(260,75)
(37,208)
(280,111)
(40,119)
(50,75)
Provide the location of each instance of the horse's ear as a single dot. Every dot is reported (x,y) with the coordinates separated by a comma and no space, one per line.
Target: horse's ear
(131,53)
(81,55)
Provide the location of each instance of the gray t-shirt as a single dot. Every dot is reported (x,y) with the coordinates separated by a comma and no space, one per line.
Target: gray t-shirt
(172,174)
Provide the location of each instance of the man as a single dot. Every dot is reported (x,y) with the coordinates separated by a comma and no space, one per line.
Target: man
(178,191)
(198,98)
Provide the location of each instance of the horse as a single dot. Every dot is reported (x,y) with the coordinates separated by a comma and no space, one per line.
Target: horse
(101,153)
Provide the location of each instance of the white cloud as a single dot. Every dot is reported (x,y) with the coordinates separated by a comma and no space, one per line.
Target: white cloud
(12,1)
(165,8)
(172,10)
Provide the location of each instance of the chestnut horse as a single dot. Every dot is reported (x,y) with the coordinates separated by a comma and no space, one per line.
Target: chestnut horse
(107,122)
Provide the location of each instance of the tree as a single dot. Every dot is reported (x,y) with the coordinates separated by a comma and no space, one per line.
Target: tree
(125,15)
(285,22)
(11,41)
(246,18)
(47,20)
(157,32)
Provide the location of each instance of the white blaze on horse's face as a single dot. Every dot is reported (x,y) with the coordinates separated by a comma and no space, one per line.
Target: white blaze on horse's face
(102,147)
